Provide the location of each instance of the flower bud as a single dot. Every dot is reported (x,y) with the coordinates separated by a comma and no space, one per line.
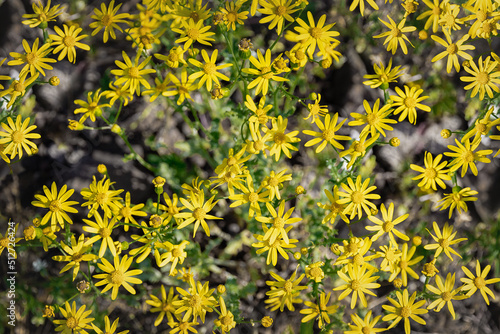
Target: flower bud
(83,286)
(29,233)
(266,321)
(423,35)
(116,129)
(416,240)
(159,181)
(300,190)
(313,96)
(398,283)
(48,311)
(54,81)
(335,248)
(445,133)
(394,142)
(297,256)
(101,168)
(221,289)
(74,125)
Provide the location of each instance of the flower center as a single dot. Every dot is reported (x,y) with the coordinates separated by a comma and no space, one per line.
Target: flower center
(405,311)
(315,32)
(133,72)
(280,10)
(436,11)
(184,326)
(300,55)
(278,222)
(449,20)
(479,282)
(71,323)
(267,73)
(357,197)
(199,214)
(232,17)
(76,257)
(106,20)
(355,285)
(328,134)
(482,128)
(173,57)
(358,147)
(468,156)
(430,173)
(279,138)
(69,41)
(352,248)
(105,232)
(396,33)
(176,252)
(358,260)
(444,243)
(258,145)
(366,330)
(31,58)
(482,78)
(403,264)
(410,102)
(316,272)
(372,118)
(487,28)
(117,277)
(4,242)
(126,212)
(231,161)
(195,16)
(194,34)
(390,256)
(55,206)
(446,296)
(253,197)
(288,287)
(101,198)
(18,86)
(387,226)
(209,68)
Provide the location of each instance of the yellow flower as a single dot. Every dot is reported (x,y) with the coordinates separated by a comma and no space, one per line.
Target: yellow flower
(464,155)
(91,108)
(396,35)
(389,254)
(448,19)
(18,88)
(433,172)
(404,263)
(164,305)
(359,148)
(199,212)
(155,5)
(263,71)
(75,254)
(361,4)
(182,87)
(251,196)
(99,195)
(315,110)
(436,9)
(457,199)
(327,134)
(284,291)
(484,77)
(197,302)
(354,252)
(130,75)
(17,137)
(335,208)
(108,327)
(446,294)
(102,228)
(444,240)
(175,254)
(453,50)
(279,221)
(127,212)
(232,15)
(193,32)
(274,181)
(277,11)
(407,102)
(387,224)
(314,271)
(273,248)
(383,75)
(364,326)
(282,142)
(358,282)
(357,197)
(76,321)
(473,283)
(404,308)
(114,93)
(57,204)
(209,70)
(41,15)
(482,127)
(117,274)
(34,58)
(170,208)
(260,111)
(7,238)
(321,310)
(174,58)
(66,41)
(376,120)
(108,19)
(226,318)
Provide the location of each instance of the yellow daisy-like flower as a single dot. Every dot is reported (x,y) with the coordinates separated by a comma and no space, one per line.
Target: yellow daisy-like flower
(7,238)
(17,137)
(446,294)
(449,18)
(473,283)
(57,204)
(357,197)
(464,156)
(66,41)
(34,58)
(164,305)
(319,311)
(444,240)
(170,208)
(252,196)
(282,141)
(482,127)
(389,255)
(404,308)
(108,19)
(436,9)
(313,34)
(196,302)
(484,77)
(403,265)
(199,212)
(181,87)
(314,271)
(279,221)
(233,15)
(18,88)
(359,148)
(130,75)
(99,195)
(456,199)
(109,328)
(433,173)
(260,111)
(274,182)
(41,15)
(102,228)
(361,4)
(316,110)
(175,254)
(194,32)
(263,71)
(273,248)
(117,274)
(91,108)
(376,120)
(277,12)
(364,326)
(406,103)
(383,75)
(75,255)
(117,92)
(284,291)
(175,57)
(76,321)
(127,212)
(387,224)
(359,281)
(209,70)
(396,35)
(327,134)
(226,318)
(453,50)
(335,208)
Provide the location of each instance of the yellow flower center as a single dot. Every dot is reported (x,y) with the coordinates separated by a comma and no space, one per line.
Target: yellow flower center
(279,138)
(232,16)
(173,57)
(126,212)
(106,20)
(258,145)
(405,311)
(267,73)
(352,248)
(195,16)
(336,208)
(71,322)
(226,320)
(358,147)
(468,157)
(4,242)
(410,102)
(76,257)
(278,222)
(449,20)
(444,243)
(479,282)
(69,41)
(355,285)
(328,134)
(176,252)
(55,206)
(300,55)
(357,197)
(482,78)
(17,137)
(172,210)
(366,330)
(18,86)
(372,118)
(101,198)
(133,72)
(430,173)
(358,260)
(209,68)
(436,11)
(316,272)
(387,226)
(193,34)
(184,326)
(42,17)
(31,58)
(253,197)
(487,28)
(195,301)
(482,128)
(446,296)
(390,256)
(396,33)
(403,264)
(105,232)
(315,32)
(167,308)
(452,49)
(117,277)
(199,214)
(288,287)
